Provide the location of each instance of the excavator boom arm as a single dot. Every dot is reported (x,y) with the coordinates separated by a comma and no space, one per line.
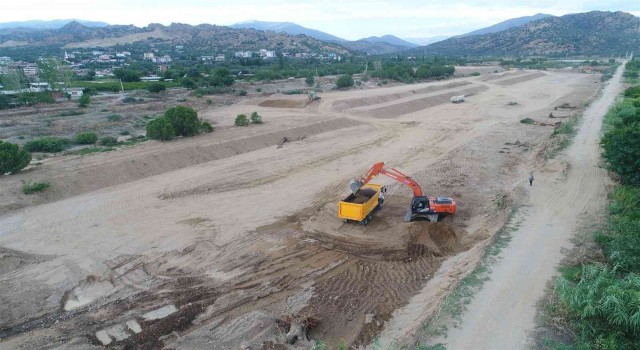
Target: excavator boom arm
(381,168)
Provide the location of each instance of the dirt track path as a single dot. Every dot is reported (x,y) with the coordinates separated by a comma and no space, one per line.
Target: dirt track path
(502,313)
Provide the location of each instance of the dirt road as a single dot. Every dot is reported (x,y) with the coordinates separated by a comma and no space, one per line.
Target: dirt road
(233,233)
(502,313)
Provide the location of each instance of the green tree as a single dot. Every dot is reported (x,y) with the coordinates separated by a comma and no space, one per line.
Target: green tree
(84,100)
(184,120)
(189,83)
(12,158)
(160,129)
(127,75)
(156,87)
(241,120)
(344,81)
(49,70)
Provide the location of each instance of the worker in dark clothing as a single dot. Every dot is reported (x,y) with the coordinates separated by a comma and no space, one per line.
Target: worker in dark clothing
(530,179)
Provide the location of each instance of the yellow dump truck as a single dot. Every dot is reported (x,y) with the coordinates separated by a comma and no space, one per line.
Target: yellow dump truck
(359,207)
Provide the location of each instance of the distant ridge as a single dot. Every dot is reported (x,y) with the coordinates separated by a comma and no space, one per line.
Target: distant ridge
(50,24)
(510,23)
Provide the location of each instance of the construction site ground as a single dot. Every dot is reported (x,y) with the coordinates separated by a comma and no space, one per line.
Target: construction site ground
(231,239)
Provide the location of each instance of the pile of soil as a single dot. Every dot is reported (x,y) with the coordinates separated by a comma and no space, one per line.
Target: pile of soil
(360,197)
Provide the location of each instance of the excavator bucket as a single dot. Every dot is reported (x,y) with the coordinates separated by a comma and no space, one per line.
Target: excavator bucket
(355,186)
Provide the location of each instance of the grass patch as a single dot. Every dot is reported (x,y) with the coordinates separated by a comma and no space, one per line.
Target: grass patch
(30,187)
(71,113)
(114,118)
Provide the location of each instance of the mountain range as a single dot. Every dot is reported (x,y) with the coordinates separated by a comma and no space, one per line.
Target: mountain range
(51,24)
(591,33)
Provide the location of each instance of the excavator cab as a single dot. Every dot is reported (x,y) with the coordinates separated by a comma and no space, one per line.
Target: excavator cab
(421,210)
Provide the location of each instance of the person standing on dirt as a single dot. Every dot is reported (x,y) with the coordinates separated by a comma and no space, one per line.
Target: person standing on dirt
(530,179)
(381,197)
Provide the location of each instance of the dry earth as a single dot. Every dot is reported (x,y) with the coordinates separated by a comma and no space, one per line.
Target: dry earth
(231,239)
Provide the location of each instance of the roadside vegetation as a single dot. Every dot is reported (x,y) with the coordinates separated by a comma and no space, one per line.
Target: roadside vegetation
(12,158)
(595,304)
(29,187)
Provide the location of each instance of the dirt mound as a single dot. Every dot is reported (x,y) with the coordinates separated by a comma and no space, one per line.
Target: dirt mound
(418,104)
(520,79)
(341,105)
(284,103)
(432,239)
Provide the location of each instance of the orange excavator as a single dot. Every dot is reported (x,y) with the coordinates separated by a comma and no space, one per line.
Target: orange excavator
(423,207)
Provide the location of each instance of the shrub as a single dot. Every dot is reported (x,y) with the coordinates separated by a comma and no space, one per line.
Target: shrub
(184,120)
(309,80)
(114,118)
(206,127)
(12,158)
(475,74)
(527,121)
(242,93)
(256,118)
(29,188)
(108,141)
(258,90)
(632,92)
(86,138)
(344,82)
(156,87)
(241,120)
(47,144)
(84,100)
(129,99)
(622,153)
(160,129)
(124,132)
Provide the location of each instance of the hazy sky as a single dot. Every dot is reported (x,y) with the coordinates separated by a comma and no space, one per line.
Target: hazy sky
(347,19)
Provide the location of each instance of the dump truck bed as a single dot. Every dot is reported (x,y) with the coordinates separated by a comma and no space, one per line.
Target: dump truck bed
(356,207)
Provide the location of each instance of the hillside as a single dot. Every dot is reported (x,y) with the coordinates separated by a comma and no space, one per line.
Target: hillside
(51,24)
(426,41)
(510,23)
(591,33)
(289,28)
(201,39)
(390,39)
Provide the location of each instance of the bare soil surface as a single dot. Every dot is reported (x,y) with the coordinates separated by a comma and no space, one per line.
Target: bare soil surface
(232,239)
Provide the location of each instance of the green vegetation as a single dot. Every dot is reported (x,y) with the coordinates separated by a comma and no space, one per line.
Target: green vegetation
(108,141)
(156,87)
(160,129)
(206,127)
(241,120)
(47,144)
(527,121)
(344,82)
(114,118)
(242,93)
(86,138)
(90,150)
(84,100)
(632,72)
(177,121)
(309,80)
(29,187)
(256,118)
(12,158)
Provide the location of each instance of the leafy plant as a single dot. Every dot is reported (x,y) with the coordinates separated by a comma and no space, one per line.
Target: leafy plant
(345,81)
(12,158)
(256,118)
(160,129)
(184,120)
(84,100)
(29,187)
(47,144)
(156,87)
(242,93)
(86,138)
(527,121)
(241,120)
(206,127)
(108,141)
